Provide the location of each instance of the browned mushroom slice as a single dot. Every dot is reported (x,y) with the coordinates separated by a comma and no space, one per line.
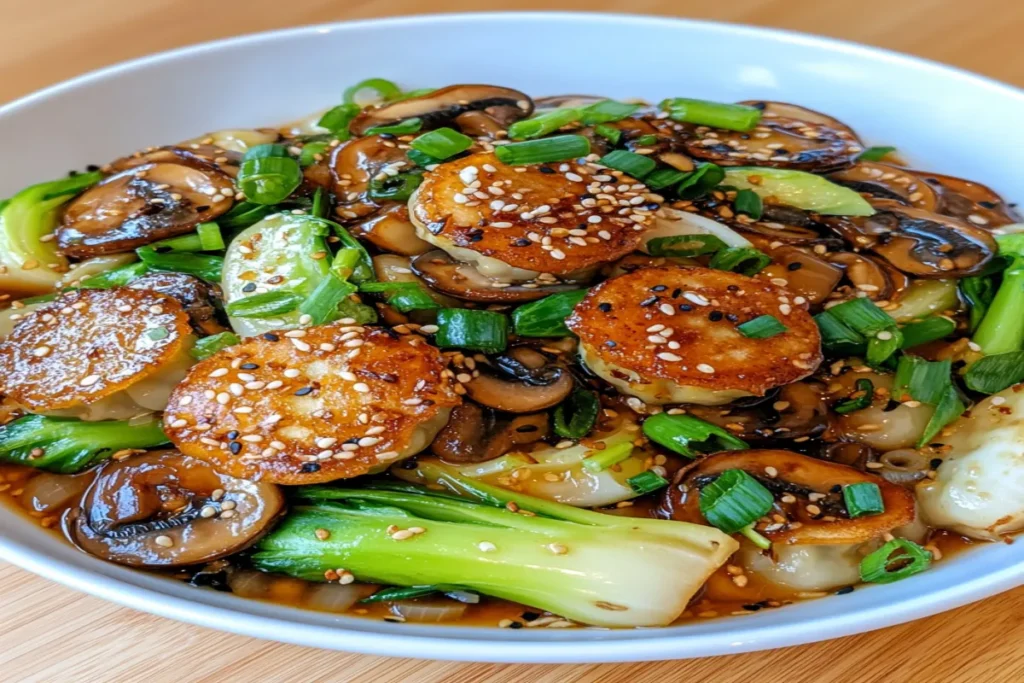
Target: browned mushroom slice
(874,277)
(785,110)
(798,410)
(353,165)
(919,243)
(463,281)
(805,273)
(165,509)
(559,101)
(972,202)
(520,381)
(390,230)
(822,519)
(780,141)
(475,434)
(199,298)
(441,107)
(779,225)
(204,154)
(479,124)
(142,205)
(888,182)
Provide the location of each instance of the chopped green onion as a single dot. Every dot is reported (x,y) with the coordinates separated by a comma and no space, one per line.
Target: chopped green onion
(599,461)
(875,153)
(337,119)
(362,270)
(244,214)
(546,317)
(714,114)
(543,124)
(321,204)
(685,245)
(875,325)
(896,560)
(582,407)
(745,260)
(837,338)
(442,143)
(384,89)
(949,408)
(992,374)
(410,94)
(421,159)
(264,305)
(631,164)
(268,179)
(928,330)
(863,498)
(699,181)
(558,148)
(606,111)
(749,202)
(464,328)
(664,177)
(734,500)
(205,266)
(978,291)
(612,135)
(117,277)
(322,304)
(407,127)
(647,482)
(403,296)
(395,188)
(270,150)
(929,382)
(209,237)
(207,346)
(310,152)
(756,538)
(645,140)
(762,327)
(686,435)
(866,390)
(396,593)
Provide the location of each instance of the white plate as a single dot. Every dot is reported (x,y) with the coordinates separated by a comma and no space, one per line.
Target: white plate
(943,119)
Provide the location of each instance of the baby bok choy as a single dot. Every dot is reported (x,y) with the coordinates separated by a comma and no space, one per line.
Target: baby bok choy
(592,568)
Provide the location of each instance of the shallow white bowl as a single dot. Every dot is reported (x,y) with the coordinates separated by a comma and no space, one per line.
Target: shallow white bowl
(943,119)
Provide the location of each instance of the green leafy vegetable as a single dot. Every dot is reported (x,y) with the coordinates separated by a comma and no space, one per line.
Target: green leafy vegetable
(577,415)
(689,436)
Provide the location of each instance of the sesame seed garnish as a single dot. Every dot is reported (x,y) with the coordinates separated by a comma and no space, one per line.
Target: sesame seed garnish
(89,381)
(706,369)
(164,541)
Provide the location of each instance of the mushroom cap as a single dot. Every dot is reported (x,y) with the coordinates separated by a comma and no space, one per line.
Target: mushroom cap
(141,205)
(199,298)
(313,405)
(522,380)
(560,223)
(886,181)
(89,344)
(972,202)
(462,280)
(623,322)
(352,166)
(135,501)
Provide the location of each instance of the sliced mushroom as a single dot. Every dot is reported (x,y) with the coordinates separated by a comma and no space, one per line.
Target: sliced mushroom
(779,225)
(521,380)
(874,277)
(395,268)
(805,273)
(811,142)
(917,242)
(972,202)
(822,519)
(200,299)
(442,107)
(797,411)
(635,261)
(785,110)
(463,281)
(475,434)
(165,509)
(885,181)
(390,230)
(205,154)
(352,166)
(559,101)
(141,205)
(479,124)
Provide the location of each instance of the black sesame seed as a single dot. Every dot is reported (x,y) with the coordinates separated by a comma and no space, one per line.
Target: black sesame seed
(676,292)
(545,169)
(526,429)
(759,105)
(520,242)
(845,590)
(605,306)
(733,288)
(233,434)
(515,624)
(303,391)
(610,344)
(987,204)
(715,316)
(685,308)
(836,489)
(235,447)
(249,366)
(408,464)
(251,287)
(308,467)
(796,265)
(530,616)
(650,301)
(732,317)
(92,168)
(934,463)
(658,288)
(270,336)
(204,207)
(753,607)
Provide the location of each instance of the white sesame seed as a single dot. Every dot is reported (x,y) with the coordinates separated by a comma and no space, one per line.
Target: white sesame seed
(89,381)
(486,547)
(164,541)
(705,368)
(667,309)
(219,372)
(665,355)
(361,387)
(291,373)
(179,423)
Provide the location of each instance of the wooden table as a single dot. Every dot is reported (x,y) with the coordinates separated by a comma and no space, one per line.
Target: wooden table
(51,633)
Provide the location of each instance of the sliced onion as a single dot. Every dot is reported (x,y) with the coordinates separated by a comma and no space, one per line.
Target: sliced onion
(48,492)
(334,597)
(685,223)
(249,583)
(429,611)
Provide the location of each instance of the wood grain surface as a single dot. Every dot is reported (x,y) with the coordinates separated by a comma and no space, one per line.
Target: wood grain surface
(49,633)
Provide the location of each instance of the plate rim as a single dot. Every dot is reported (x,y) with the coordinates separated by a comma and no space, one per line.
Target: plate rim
(659,645)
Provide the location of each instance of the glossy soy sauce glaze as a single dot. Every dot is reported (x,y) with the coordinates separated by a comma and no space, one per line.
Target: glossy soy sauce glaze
(656,307)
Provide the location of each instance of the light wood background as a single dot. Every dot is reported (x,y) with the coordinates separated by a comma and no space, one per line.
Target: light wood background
(49,633)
